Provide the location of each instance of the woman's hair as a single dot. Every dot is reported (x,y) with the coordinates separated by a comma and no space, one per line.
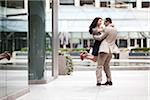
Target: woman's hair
(94,24)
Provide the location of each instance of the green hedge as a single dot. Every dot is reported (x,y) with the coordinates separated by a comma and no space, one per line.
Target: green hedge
(62,49)
(24,49)
(73,50)
(141,49)
(79,49)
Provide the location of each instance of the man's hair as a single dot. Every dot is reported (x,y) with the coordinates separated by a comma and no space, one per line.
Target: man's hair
(108,20)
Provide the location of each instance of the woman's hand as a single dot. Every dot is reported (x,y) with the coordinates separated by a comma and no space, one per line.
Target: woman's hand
(99,30)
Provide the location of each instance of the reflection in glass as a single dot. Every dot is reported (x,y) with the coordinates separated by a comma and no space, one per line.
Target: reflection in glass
(48,58)
(13,73)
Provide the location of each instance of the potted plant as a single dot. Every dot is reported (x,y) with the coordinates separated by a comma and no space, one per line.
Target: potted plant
(69,65)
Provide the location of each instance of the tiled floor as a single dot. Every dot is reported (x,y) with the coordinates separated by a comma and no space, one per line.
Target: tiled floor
(81,85)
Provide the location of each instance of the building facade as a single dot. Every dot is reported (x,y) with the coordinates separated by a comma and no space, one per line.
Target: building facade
(74,17)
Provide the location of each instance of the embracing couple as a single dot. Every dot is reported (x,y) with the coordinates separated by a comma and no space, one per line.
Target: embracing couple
(103,48)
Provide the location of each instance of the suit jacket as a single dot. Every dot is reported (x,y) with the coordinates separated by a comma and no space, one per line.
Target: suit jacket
(108,44)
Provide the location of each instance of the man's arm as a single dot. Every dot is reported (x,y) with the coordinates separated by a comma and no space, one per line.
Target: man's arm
(101,37)
(104,34)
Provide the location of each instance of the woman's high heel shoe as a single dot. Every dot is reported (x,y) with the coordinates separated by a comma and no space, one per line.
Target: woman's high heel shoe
(83,55)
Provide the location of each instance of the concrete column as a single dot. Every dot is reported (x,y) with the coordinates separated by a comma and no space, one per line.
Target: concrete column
(0,40)
(141,43)
(128,42)
(97,3)
(118,43)
(130,6)
(148,43)
(36,36)
(71,43)
(47,2)
(82,40)
(88,43)
(13,42)
(77,3)
(135,43)
(55,39)
(138,4)
(26,5)
(112,3)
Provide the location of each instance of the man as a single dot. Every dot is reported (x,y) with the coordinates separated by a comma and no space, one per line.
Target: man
(106,49)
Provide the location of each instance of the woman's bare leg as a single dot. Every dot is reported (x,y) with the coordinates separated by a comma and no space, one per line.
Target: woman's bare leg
(85,55)
(91,57)
(6,55)
(2,56)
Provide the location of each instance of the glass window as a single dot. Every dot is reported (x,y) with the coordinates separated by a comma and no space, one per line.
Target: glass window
(91,42)
(66,2)
(144,42)
(139,42)
(146,4)
(87,2)
(132,42)
(122,43)
(19,4)
(103,4)
(48,55)
(50,1)
(85,43)
(13,74)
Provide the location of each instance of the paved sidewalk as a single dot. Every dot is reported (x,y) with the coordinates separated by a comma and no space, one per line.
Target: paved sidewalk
(116,64)
(81,85)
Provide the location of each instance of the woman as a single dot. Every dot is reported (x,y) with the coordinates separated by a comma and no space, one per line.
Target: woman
(94,29)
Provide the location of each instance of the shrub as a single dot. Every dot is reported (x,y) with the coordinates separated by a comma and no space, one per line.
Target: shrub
(24,49)
(49,49)
(69,65)
(79,49)
(141,49)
